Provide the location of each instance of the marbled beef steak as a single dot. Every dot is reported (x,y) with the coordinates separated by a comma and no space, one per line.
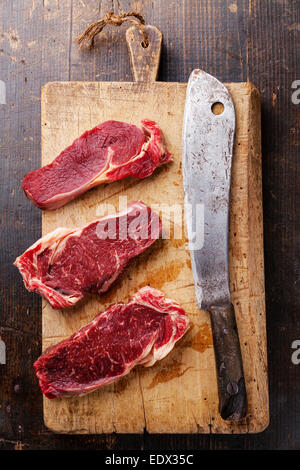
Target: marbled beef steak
(66,264)
(125,335)
(108,152)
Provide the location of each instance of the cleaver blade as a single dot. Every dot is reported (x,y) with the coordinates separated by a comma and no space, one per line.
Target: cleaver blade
(208,136)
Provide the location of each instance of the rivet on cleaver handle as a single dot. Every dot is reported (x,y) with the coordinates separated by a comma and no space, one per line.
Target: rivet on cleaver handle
(206,165)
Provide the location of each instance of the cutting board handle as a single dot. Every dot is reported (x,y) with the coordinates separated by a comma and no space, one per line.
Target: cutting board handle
(144,57)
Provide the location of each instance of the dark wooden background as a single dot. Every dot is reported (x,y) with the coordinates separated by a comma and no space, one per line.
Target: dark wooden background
(235,40)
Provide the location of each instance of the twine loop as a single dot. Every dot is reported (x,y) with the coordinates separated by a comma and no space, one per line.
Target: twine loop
(87,38)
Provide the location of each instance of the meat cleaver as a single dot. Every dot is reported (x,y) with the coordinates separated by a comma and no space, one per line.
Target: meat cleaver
(208,134)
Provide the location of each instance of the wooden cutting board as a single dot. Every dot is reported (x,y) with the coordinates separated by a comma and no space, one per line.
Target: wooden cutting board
(178,394)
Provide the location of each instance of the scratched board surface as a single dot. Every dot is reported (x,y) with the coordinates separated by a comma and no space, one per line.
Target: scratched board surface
(178,394)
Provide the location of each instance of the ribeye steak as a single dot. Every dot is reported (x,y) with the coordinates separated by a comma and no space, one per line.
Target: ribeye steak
(110,151)
(125,335)
(66,264)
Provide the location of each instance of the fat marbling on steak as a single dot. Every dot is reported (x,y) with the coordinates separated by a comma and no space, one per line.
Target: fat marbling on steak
(66,264)
(110,151)
(125,335)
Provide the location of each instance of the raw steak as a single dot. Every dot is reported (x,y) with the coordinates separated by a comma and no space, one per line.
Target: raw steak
(66,264)
(108,152)
(125,335)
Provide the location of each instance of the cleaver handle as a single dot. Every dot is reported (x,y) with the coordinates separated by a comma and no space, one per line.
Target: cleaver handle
(229,365)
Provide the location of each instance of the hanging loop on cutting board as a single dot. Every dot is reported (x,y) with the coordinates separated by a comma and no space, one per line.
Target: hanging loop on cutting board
(144,42)
(144,59)
(87,38)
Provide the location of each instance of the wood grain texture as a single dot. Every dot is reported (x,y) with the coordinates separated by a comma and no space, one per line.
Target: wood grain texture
(179,394)
(144,58)
(235,41)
